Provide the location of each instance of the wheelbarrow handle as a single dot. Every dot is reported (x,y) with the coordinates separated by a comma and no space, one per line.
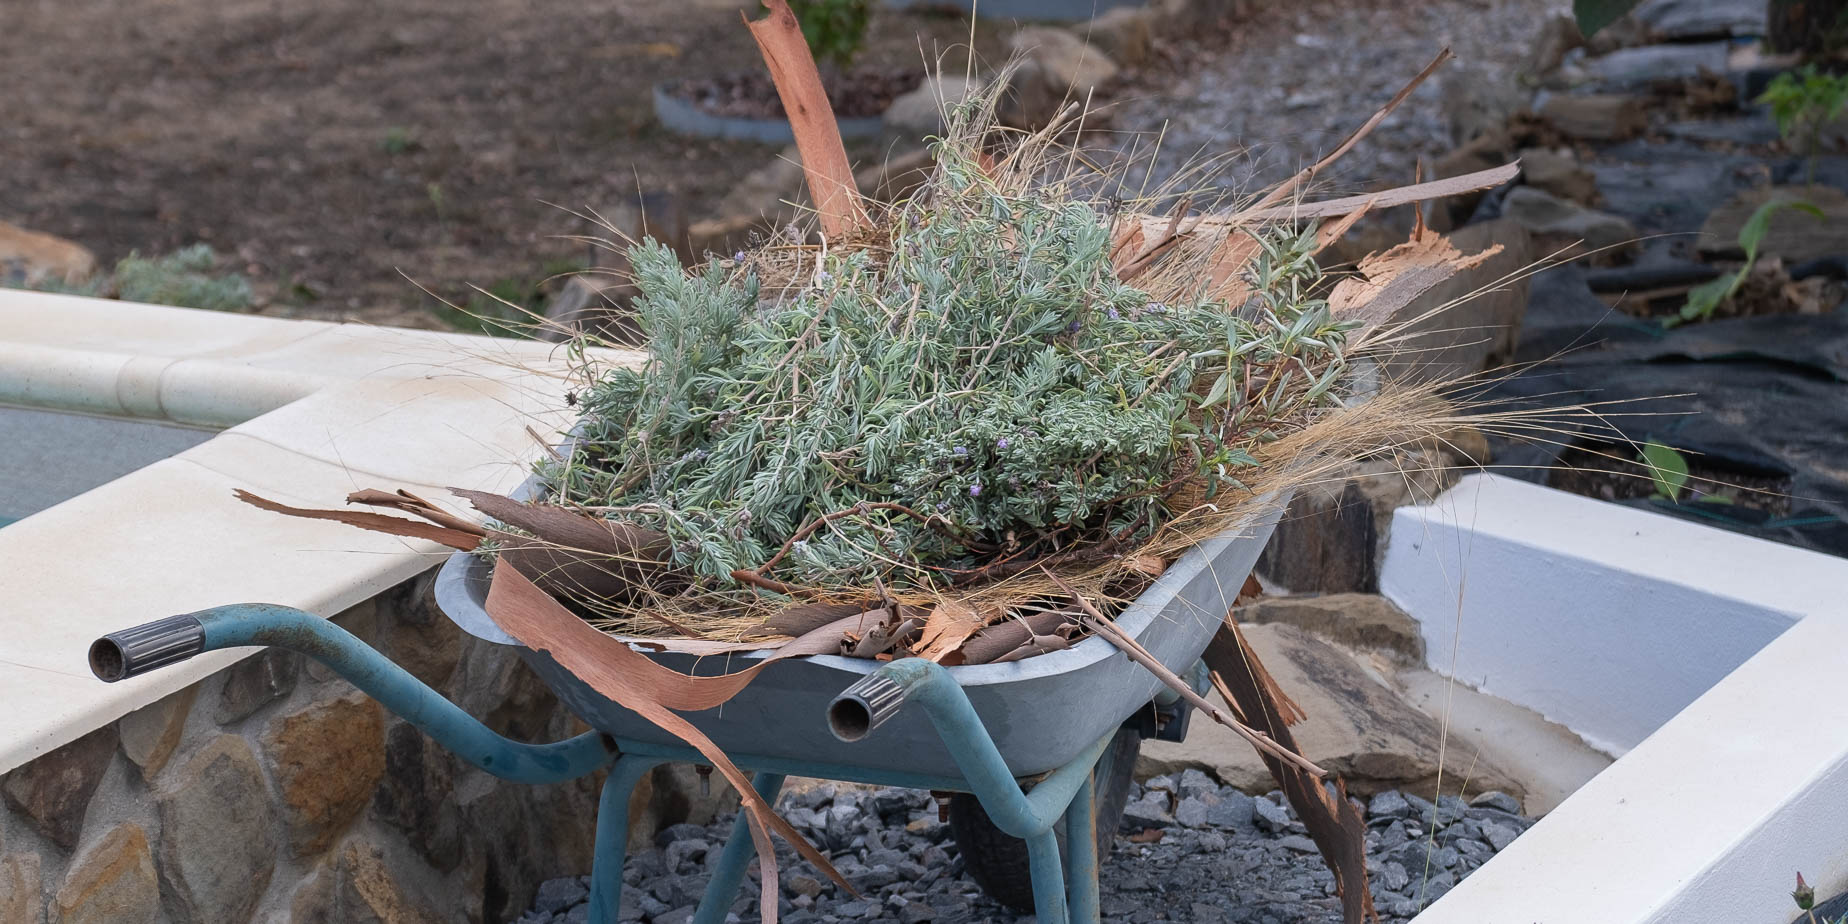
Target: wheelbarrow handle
(876,697)
(120,655)
(864,706)
(150,646)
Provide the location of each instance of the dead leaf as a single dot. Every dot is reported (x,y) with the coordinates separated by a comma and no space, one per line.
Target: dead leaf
(1147,836)
(995,642)
(654,692)
(377,522)
(1035,645)
(1125,244)
(818,136)
(562,526)
(947,627)
(1146,564)
(1388,282)
(1225,268)
(1334,823)
(803,617)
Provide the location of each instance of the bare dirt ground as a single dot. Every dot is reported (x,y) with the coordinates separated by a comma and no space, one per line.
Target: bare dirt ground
(337,151)
(328,150)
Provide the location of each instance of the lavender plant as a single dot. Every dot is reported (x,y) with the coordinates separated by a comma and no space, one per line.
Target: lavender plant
(981,386)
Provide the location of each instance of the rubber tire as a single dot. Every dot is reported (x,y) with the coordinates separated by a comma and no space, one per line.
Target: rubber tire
(997,861)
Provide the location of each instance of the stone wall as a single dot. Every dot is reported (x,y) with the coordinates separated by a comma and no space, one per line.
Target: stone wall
(275,791)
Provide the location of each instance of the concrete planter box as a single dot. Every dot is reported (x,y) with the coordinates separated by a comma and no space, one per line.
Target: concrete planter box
(1024,10)
(1712,662)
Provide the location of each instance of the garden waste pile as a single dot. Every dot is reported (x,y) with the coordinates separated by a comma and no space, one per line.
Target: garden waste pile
(964,426)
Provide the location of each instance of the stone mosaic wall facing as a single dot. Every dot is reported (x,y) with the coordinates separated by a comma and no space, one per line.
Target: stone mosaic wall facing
(275,791)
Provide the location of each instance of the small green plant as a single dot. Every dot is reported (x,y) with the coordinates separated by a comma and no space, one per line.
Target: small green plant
(1802,102)
(398,140)
(1805,897)
(1592,15)
(834,29)
(438,201)
(181,278)
(1706,298)
(1668,469)
(510,307)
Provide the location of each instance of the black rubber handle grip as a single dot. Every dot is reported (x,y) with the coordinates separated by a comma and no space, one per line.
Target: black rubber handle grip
(864,706)
(130,652)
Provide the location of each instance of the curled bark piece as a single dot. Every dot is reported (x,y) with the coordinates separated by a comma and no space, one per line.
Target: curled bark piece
(1037,645)
(818,136)
(803,617)
(1390,281)
(377,522)
(575,555)
(412,504)
(565,527)
(1334,823)
(997,641)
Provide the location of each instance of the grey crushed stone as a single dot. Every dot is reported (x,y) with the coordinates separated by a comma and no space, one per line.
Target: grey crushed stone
(1243,860)
(1299,77)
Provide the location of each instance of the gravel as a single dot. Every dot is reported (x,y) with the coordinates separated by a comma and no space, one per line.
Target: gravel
(1236,858)
(1298,78)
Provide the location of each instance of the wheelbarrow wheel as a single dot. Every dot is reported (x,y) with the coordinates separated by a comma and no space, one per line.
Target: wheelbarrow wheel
(997,861)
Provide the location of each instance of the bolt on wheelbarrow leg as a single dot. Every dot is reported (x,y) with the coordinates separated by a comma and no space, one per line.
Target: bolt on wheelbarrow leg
(1081,860)
(613,837)
(722,888)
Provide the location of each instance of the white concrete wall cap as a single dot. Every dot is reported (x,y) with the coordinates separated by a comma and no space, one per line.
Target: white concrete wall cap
(315,410)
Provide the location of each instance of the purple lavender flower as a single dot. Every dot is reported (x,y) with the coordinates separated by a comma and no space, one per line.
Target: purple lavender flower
(1001,443)
(738,257)
(942,506)
(1073,327)
(1114,316)
(975,489)
(961,450)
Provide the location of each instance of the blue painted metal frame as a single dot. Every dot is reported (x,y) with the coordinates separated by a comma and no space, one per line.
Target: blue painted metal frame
(1063,890)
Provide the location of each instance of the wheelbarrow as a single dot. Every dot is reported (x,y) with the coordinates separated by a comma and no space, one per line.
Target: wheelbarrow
(1025,746)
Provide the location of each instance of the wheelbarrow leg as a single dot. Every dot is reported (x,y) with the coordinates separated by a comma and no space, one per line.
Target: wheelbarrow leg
(1081,854)
(613,837)
(1030,816)
(722,888)
(1048,878)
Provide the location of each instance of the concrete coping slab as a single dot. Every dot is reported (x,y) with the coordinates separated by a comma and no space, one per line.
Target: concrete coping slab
(309,411)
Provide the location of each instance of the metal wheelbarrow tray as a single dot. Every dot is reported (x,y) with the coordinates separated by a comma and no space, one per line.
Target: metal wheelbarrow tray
(1042,712)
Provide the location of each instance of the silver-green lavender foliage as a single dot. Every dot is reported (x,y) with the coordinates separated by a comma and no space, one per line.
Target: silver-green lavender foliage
(989,370)
(182,278)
